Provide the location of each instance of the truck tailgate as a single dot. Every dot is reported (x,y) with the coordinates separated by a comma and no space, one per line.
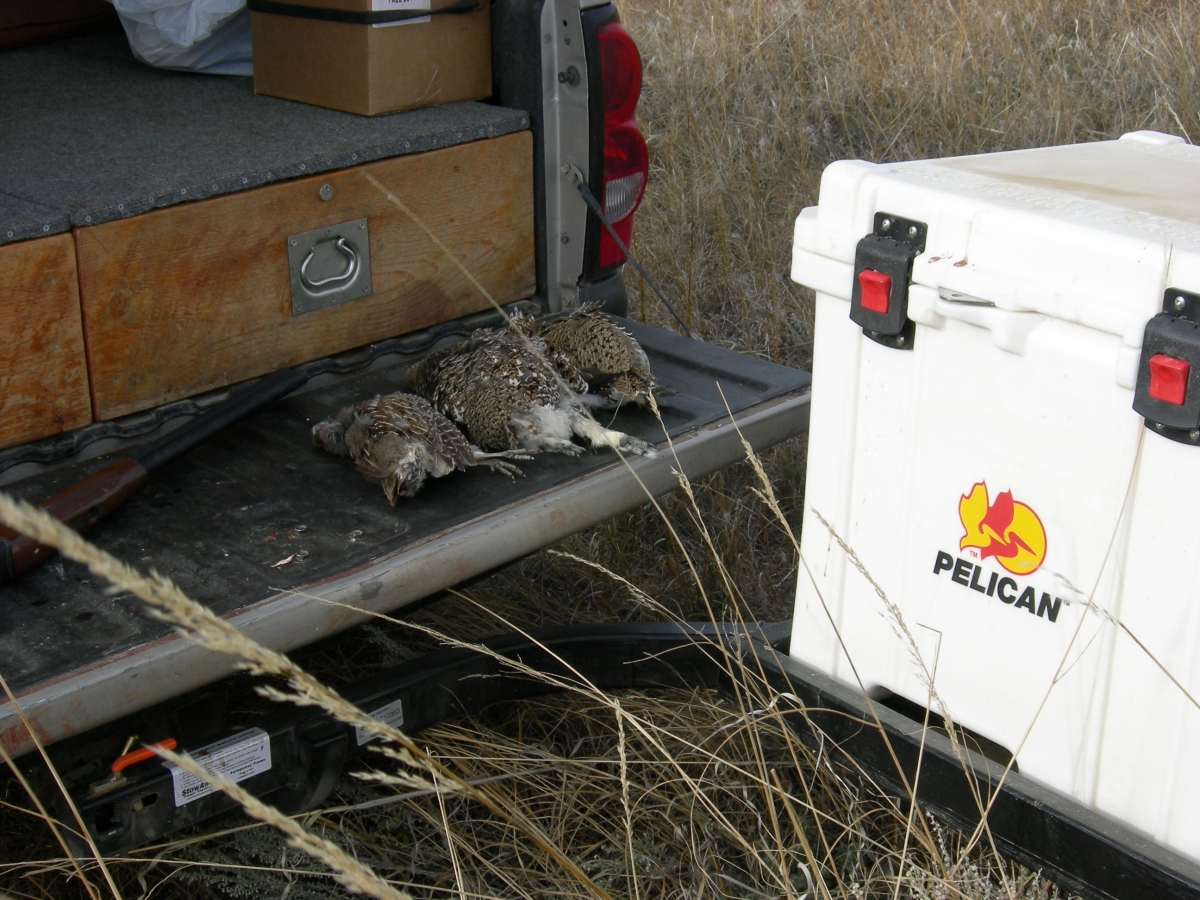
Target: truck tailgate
(264,528)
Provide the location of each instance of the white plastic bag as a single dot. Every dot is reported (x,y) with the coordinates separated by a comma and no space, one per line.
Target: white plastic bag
(210,36)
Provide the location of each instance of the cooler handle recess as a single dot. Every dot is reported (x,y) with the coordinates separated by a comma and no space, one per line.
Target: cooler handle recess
(882,272)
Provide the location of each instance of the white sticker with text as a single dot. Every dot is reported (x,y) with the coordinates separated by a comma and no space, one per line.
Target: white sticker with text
(392,714)
(236,757)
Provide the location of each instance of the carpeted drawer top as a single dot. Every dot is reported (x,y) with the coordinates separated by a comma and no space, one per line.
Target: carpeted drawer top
(89,134)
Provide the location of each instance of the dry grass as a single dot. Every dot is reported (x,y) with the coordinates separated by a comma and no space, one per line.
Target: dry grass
(686,795)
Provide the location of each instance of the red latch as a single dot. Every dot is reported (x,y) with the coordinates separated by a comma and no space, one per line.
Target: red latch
(1168,378)
(876,288)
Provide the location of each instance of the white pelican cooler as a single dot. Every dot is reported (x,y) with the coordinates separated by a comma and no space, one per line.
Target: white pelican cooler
(1006,432)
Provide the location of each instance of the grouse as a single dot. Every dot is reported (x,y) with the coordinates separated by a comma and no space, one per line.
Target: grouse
(589,345)
(400,439)
(500,388)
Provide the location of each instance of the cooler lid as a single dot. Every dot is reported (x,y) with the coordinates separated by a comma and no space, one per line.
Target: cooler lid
(1088,233)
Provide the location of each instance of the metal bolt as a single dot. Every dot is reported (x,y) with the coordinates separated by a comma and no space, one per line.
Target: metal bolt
(886,224)
(1180,302)
(366,290)
(1158,426)
(900,341)
(1194,435)
(325,192)
(912,230)
(362,225)
(565,169)
(292,242)
(566,40)
(570,76)
(566,239)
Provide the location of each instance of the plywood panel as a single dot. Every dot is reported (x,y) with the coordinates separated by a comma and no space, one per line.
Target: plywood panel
(194,297)
(43,377)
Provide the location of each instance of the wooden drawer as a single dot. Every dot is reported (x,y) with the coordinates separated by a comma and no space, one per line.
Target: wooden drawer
(197,296)
(43,376)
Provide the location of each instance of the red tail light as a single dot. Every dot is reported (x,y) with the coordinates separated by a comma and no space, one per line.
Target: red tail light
(625,161)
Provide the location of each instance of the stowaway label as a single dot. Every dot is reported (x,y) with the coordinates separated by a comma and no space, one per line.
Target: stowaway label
(392,714)
(237,758)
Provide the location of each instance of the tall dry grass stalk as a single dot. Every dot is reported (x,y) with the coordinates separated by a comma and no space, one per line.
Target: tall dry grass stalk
(201,626)
(695,794)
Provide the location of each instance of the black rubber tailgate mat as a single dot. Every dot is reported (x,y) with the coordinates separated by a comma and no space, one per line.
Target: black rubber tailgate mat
(259,512)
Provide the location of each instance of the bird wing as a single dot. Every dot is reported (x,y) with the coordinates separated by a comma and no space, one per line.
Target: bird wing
(415,419)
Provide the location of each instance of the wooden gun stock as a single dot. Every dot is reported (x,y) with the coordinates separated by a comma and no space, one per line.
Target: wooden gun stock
(84,504)
(81,506)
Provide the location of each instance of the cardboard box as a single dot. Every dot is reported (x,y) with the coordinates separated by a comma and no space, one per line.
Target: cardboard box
(371,68)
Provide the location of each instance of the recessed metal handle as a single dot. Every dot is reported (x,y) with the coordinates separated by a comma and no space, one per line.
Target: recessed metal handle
(329,265)
(333,282)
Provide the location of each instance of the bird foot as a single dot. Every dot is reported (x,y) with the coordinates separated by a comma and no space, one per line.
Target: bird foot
(522,453)
(505,468)
(630,444)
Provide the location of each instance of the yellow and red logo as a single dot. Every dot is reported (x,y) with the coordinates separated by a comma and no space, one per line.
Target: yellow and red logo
(1005,529)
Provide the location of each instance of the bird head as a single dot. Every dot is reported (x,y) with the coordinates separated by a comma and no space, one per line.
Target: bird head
(330,435)
(405,473)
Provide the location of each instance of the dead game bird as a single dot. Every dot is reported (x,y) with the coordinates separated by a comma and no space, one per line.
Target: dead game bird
(498,386)
(590,345)
(400,439)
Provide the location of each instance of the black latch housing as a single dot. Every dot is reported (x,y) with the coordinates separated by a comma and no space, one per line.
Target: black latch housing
(1167,393)
(886,255)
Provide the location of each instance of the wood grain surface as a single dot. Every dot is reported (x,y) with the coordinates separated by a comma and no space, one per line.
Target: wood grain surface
(43,376)
(194,297)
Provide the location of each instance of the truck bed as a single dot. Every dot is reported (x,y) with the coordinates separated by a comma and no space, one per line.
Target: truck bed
(88,134)
(263,527)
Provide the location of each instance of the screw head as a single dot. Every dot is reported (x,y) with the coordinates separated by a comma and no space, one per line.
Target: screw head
(366,290)
(1194,435)
(1158,426)
(565,169)
(292,242)
(912,230)
(1180,302)
(886,224)
(566,239)
(900,341)
(325,192)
